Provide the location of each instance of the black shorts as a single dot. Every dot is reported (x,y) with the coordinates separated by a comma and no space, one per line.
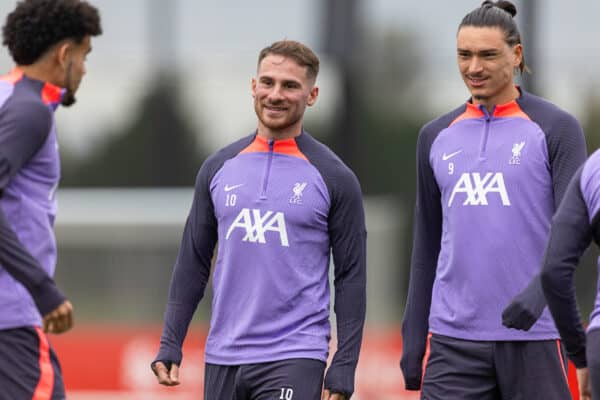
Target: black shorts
(482,370)
(29,368)
(293,379)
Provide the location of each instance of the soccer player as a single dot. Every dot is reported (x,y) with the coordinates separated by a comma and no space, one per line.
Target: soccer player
(574,226)
(490,176)
(49,41)
(277,202)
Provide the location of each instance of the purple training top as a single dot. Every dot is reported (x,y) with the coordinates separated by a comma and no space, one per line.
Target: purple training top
(277,209)
(488,184)
(29,175)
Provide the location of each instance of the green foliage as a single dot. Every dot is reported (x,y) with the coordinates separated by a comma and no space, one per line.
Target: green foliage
(156,148)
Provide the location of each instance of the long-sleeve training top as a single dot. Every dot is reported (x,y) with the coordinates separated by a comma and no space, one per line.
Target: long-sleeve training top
(277,208)
(488,184)
(29,175)
(574,226)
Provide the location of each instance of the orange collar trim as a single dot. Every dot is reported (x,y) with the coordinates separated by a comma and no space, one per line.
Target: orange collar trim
(51,94)
(284,146)
(508,110)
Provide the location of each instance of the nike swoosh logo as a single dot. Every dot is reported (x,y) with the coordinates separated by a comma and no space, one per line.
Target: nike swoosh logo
(230,188)
(446,157)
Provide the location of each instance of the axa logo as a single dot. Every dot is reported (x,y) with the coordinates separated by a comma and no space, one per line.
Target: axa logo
(256,224)
(476,189)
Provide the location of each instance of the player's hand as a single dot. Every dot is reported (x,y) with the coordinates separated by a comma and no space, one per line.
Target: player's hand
(60,319)
(526,307)
(585,388)
(523,312)
(327,395)
(166,377)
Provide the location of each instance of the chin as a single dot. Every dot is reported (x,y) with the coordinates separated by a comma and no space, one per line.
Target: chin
(276,126)
(479,94)
(68,99)
(274,123)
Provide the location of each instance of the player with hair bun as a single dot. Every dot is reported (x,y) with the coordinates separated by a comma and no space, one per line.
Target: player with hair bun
(490,175)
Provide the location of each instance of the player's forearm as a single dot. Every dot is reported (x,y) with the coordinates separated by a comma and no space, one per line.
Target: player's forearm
(562,256)
(177,321)
(25,269)
(415,324)
(570,234)
(178,315)
(563,307)
(350,259)
(186,291)
(425,252)
(189,280)
(350,310)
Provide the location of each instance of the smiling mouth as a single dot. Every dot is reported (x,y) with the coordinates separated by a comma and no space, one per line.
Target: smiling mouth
(476,81)
(275,109)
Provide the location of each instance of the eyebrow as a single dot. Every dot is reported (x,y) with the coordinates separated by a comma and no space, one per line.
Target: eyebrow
(482,51)
(285,81)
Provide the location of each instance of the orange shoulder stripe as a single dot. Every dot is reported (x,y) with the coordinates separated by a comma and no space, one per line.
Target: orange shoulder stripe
(13,76)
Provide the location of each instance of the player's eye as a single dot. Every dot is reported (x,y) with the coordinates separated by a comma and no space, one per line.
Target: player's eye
(291,85)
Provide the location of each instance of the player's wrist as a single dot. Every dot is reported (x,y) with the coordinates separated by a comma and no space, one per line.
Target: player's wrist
(579,359)
(47,296)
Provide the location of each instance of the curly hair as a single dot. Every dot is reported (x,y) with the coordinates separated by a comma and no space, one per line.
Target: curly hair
(36,25)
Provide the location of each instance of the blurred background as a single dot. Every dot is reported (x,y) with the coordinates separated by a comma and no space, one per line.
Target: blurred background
(169,83)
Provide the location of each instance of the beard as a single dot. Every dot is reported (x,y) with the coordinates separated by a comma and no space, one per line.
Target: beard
(280,124)
(68,98)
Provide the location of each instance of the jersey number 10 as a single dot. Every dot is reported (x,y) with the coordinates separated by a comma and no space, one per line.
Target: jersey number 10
(286,394)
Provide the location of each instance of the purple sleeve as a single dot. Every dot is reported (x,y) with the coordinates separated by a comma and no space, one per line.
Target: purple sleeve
(566,152)
(570,235)
(427,233)
(348,238)
(24,128)
(192,268)
(191,271)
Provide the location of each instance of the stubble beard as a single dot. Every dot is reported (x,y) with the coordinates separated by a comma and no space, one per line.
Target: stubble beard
(68,98)
(279,125)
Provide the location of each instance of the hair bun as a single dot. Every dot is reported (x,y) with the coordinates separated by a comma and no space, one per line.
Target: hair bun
(503,5)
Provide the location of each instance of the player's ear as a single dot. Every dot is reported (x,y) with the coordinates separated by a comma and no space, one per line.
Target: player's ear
(518,55)
(253,87)
(312,96)
(62,53)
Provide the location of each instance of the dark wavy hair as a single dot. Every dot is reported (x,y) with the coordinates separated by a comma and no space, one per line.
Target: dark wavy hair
(36,25)
(497,14)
